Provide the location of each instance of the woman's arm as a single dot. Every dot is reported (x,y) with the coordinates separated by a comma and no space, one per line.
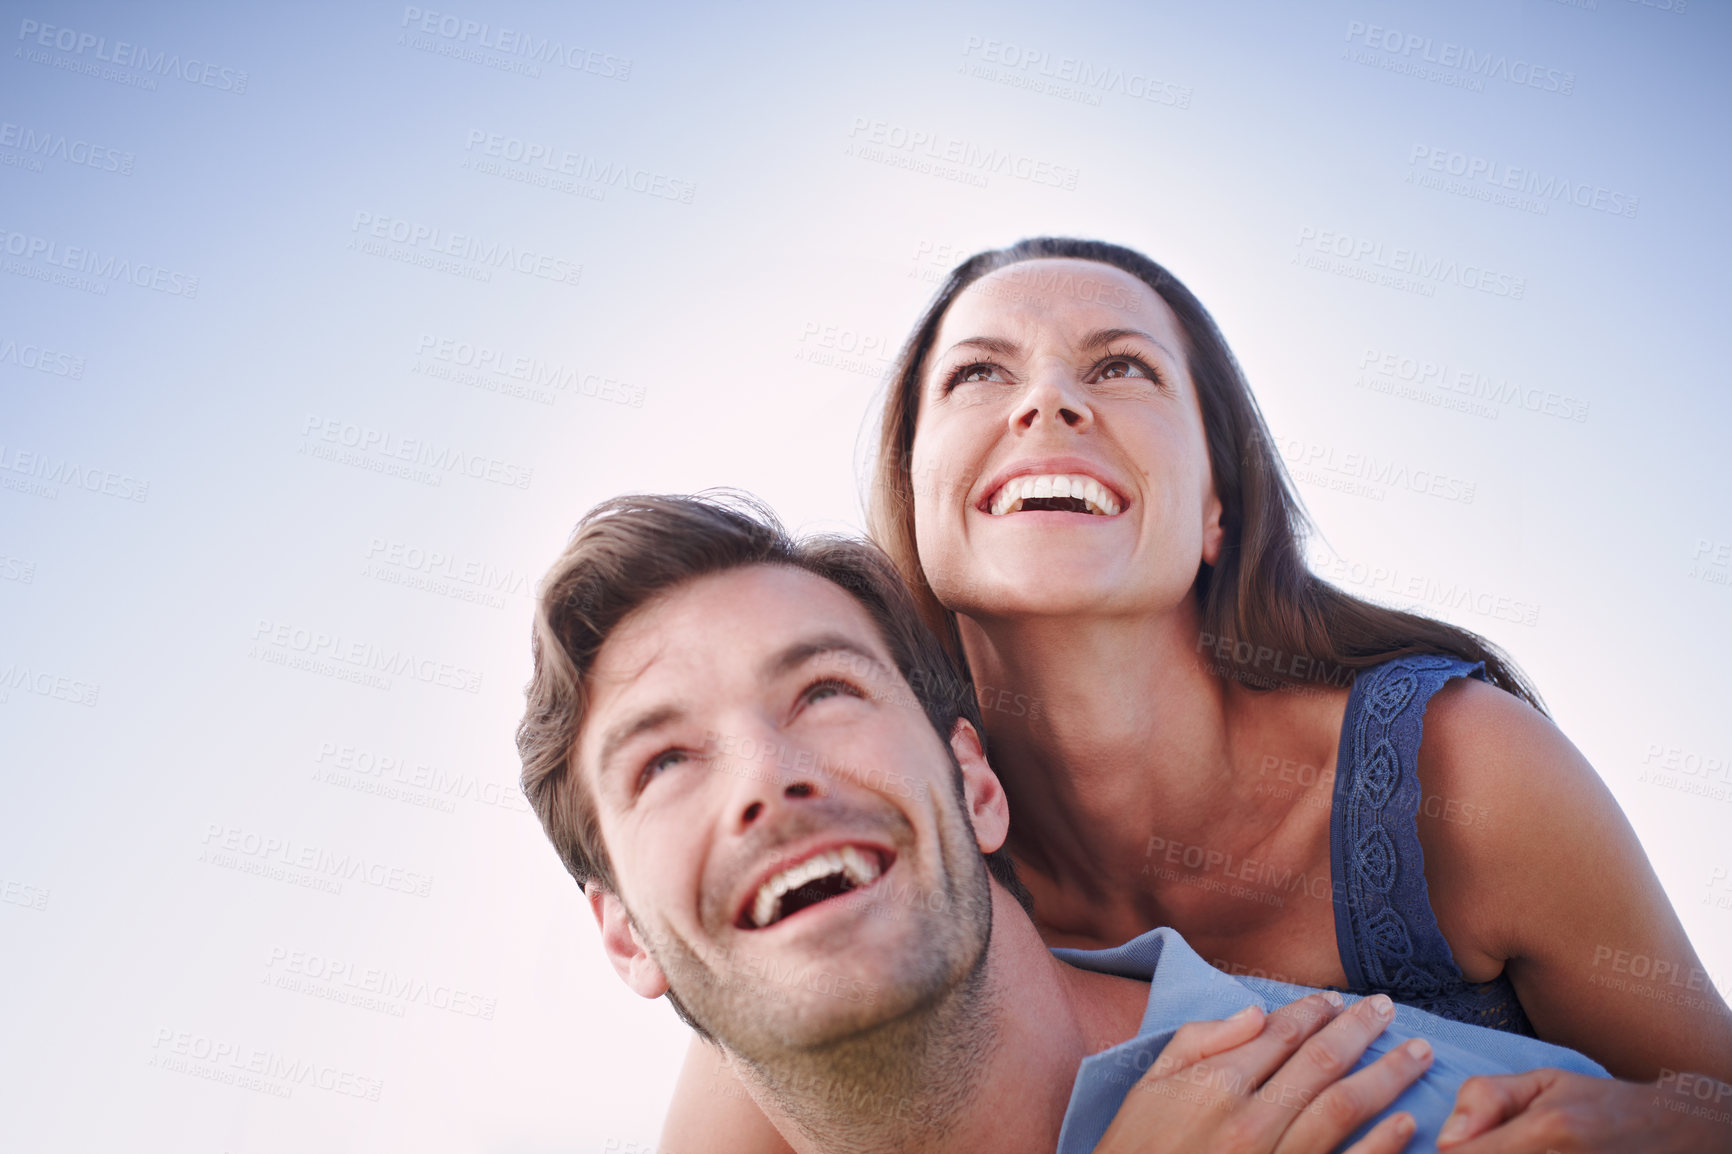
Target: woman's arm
(711,1112)
(1533,868)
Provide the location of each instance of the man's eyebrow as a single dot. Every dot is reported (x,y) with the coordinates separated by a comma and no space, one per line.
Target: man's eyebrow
(1107,336)
(793,656)
(634,726)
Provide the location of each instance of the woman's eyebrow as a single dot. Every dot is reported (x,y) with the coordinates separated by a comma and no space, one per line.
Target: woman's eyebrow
(1107,336)
(1000,346)
(1004,347)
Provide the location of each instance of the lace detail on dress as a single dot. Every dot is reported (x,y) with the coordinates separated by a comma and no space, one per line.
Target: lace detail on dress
(1384,926)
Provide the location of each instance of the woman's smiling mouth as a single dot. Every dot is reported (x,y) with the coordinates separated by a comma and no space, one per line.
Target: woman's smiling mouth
(1060,492)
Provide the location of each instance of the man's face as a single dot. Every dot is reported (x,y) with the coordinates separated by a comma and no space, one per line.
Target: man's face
(791,855)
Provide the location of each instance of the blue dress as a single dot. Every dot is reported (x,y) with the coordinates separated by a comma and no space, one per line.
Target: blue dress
(1384,925)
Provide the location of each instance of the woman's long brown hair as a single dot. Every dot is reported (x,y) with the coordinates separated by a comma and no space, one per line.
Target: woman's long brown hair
(1267,621)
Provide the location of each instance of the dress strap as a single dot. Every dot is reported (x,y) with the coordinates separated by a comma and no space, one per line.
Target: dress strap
(1384,925)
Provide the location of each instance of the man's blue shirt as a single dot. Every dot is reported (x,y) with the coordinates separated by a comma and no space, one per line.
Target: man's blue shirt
(1184,988)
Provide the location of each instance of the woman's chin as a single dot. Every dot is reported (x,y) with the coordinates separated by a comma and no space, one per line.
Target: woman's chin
(1082,584)
(1045,595)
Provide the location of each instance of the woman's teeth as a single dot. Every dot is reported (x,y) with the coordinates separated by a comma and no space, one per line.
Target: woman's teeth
(1017,491)
(857,868)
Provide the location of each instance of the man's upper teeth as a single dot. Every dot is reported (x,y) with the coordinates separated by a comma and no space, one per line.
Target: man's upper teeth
(1036,485)
(860,868)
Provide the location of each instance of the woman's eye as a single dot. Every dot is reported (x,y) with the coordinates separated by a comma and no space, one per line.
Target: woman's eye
(1121,367)
(973,374)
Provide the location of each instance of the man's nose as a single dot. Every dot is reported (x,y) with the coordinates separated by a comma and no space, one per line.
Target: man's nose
(771,782)
(758,807)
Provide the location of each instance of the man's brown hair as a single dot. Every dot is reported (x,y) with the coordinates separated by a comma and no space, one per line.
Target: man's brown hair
(626,552)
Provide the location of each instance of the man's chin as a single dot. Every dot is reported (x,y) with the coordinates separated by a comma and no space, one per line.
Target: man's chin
(827,1018)
(789,992)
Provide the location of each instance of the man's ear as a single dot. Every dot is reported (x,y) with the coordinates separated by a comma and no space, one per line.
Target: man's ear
(988,809)
(624,948)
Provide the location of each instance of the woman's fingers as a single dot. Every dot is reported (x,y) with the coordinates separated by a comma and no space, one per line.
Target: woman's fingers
(1387,1137)
(1241,1070)
(1487,1101)
(1198,1094)
(1195,1041)
(1341,1108)
(1328,1057)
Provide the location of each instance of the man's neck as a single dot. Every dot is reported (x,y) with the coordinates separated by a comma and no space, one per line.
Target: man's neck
(990,1069)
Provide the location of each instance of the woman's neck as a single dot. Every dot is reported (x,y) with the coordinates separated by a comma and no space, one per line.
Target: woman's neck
(1115,741)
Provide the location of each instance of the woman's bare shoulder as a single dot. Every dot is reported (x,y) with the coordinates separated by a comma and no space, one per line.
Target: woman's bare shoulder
(1509,812)
(1483,745)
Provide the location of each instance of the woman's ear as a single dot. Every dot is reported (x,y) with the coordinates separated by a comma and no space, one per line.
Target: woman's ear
(619,937)
(1212,531)
(988,809)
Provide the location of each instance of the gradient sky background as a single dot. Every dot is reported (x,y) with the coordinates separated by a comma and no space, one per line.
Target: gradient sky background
(754,239)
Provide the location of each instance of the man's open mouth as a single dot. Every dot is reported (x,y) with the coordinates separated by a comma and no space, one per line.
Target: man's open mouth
(824,875)
(1057,492)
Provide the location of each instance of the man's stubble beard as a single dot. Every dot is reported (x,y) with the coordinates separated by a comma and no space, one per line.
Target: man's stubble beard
(884,1077)
(899,1083)
(899,1086)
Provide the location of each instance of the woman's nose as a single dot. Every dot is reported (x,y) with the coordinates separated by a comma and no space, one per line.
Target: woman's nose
(1054,395)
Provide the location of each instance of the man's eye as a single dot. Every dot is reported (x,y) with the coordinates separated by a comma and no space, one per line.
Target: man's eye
(660,762)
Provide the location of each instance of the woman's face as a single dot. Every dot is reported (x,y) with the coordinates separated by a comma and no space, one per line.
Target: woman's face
(1059,461)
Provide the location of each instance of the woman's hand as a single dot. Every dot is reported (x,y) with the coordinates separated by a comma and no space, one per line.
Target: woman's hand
(1545,1111)
(1272,1084)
